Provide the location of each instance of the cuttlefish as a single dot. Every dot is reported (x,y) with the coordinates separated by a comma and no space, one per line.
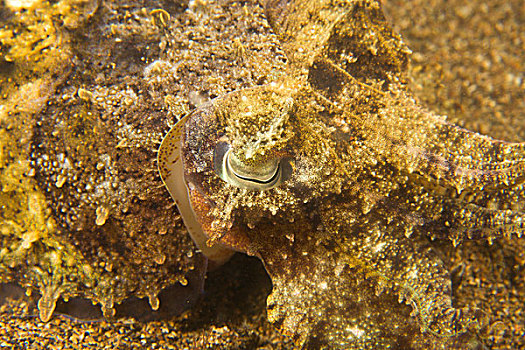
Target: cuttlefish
(338,180)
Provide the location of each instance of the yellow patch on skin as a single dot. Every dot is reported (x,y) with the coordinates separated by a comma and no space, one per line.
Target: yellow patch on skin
(16,5)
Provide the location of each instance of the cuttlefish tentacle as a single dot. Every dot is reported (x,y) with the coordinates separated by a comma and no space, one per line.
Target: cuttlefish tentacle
(350,44)
(416,140)
(342,32)
(419,276)
(466,220)
(484,177)
(353,284)
(331,299)
(463,205)
(445,153)
(473,185)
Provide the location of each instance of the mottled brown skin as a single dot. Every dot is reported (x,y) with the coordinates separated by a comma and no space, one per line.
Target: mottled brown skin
(89,89)
(375,176)
(83,212)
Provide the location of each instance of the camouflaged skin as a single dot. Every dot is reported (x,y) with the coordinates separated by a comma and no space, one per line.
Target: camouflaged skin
(375,175)
(89,89)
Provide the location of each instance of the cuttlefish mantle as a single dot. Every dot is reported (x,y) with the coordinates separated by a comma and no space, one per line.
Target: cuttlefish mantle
(171,170)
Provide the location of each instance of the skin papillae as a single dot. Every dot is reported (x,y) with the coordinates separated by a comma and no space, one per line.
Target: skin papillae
(346,238)
(82,211)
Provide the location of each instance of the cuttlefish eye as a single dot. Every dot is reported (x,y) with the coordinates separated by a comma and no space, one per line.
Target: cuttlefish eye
(257,176)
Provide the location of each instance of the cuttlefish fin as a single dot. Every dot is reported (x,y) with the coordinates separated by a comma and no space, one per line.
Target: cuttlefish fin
(171,168)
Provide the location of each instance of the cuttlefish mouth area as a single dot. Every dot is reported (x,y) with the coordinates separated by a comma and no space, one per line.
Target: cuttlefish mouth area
(252,176)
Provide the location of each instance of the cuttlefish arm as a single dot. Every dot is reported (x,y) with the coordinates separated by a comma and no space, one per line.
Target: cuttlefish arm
(171,168)
(357,291)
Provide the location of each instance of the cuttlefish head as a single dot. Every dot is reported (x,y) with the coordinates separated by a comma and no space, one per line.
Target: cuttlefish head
(236,165)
